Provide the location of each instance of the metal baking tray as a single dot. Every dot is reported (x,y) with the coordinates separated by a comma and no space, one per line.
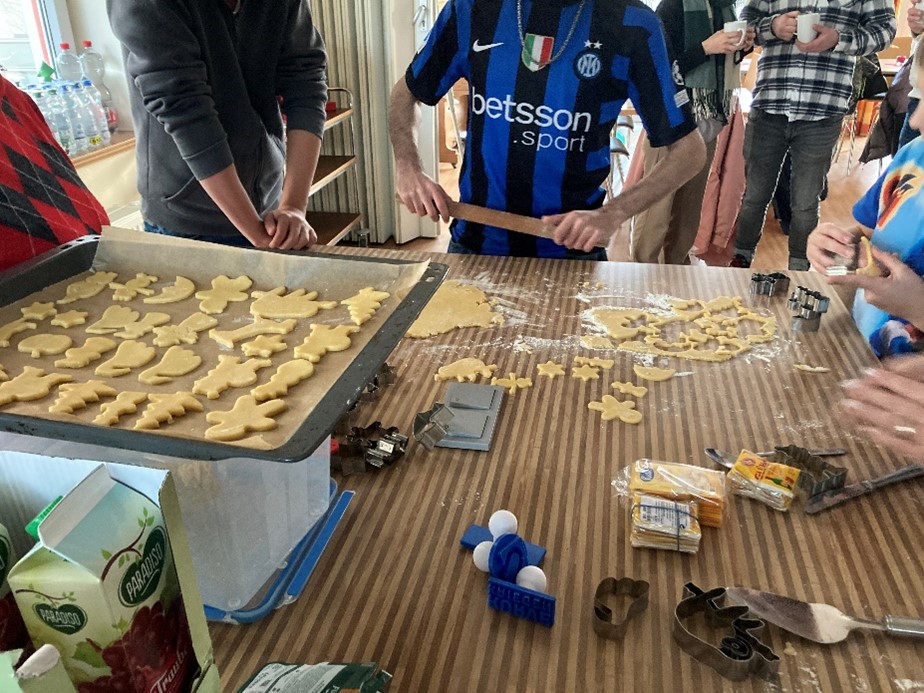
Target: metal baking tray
(76,257)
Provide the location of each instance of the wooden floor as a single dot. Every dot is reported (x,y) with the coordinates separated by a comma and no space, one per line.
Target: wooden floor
(772,253)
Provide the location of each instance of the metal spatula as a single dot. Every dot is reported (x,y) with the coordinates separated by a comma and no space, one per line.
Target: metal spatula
(818,622)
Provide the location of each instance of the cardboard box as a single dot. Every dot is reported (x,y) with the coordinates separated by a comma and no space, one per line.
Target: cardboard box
(29,481)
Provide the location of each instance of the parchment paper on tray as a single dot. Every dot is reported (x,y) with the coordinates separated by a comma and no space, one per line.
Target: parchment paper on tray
(130,252)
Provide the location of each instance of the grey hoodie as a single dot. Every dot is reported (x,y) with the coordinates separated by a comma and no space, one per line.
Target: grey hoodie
(203,84)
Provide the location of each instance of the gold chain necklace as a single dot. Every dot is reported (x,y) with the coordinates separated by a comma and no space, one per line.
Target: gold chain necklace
(561,50)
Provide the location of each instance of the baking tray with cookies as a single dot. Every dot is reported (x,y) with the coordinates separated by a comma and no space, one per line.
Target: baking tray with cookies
(195,350)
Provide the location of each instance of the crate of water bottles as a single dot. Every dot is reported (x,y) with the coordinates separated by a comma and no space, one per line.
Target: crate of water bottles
(76,105)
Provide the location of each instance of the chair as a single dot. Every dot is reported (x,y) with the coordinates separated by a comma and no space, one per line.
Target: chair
(851,126)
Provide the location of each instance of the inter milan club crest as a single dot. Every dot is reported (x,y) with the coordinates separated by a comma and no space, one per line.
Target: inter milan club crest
(537,51)
(588,63)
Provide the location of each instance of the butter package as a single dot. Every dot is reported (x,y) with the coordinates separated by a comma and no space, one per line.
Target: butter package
(771,483)
(100,586)
(12,629)
(681,482)
(659,523)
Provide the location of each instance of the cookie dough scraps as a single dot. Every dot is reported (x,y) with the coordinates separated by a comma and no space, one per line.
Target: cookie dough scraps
(453,306)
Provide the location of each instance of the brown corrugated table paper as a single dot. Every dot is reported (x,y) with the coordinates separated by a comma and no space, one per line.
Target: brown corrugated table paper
(395,586)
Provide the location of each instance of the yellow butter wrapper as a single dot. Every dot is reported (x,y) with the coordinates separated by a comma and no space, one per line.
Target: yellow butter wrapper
(769,482)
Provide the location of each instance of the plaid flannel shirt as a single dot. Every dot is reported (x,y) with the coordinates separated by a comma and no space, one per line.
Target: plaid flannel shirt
(812,86)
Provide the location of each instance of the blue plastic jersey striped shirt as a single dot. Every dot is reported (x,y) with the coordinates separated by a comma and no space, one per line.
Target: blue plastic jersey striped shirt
(538,135)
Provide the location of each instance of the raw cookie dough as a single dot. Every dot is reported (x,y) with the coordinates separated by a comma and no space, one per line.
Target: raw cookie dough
(630,389)
(229,372)
(129,355)
(181,289)
(286,376)
(74,396)
(133,287)
(871,268)
(177,361)
(297,304)
(39,311)
(323,339)
(123,322)
(224,290)
(513,383)
(465,370)
(617,321)
(363,305)
(3,375)
(186,332)
(611,408)
(454,305)
(605,364)
(87,288)
(585,372)
(259,326)
(15,327)
(654,374)
(245,417)
(550,369)
(71,318)
(594,341)
(39,345)
(29,385)
(264,346)
(92,350)
(166,408)
(125,403)
(811,369)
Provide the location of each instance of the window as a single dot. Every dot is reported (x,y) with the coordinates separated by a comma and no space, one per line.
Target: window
(30,31)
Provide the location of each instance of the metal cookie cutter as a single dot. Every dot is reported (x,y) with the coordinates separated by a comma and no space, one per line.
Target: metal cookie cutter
(808,307)
(636,590)
(818,476)
(431,426)
(740,654)
(372,445)
(775,284)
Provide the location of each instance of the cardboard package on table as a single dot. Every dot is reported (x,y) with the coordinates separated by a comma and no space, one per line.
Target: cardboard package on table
(111,604)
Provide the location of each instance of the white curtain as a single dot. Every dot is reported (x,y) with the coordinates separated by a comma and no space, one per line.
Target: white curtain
(357,48)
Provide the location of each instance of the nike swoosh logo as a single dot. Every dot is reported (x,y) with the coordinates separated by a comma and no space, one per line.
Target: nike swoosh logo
(477,47)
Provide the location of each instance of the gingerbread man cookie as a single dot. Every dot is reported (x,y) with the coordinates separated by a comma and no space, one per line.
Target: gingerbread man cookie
(244,417)
(611,408)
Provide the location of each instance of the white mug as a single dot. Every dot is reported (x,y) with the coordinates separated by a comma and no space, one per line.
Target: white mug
(741,27)
(805,23)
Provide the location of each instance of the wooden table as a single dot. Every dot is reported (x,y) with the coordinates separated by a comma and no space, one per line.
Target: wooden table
(396,587)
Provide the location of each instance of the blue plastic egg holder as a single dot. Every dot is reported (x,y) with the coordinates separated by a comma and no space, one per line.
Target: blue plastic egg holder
(509,554)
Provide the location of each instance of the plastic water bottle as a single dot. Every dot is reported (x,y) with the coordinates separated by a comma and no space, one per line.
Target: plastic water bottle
(68,64)
(80,119)
(63,127)
(95,104)
(94,69)
(38,95)
(99,132)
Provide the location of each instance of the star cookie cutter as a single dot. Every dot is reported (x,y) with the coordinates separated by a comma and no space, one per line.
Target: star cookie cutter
(740,654)
(636,590)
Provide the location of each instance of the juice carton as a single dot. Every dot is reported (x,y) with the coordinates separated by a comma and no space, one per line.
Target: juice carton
(100,586)
(12,629)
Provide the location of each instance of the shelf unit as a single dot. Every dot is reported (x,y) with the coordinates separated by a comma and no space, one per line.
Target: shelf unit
(332,227)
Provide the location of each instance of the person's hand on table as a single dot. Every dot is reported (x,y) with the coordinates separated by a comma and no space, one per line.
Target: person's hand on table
(722,42)
(586,229)
(887,405)
(899,293)
(287,229)
(783,26)
(828,37)
(828,241)
(421,194)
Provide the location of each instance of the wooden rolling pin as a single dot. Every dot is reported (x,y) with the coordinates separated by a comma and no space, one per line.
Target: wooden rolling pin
(501,220)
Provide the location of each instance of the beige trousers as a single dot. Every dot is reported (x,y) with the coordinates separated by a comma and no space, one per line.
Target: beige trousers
(670,224)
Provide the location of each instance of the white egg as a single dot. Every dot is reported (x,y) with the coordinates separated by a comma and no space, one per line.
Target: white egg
(502,522)
(481,554)
(532,578)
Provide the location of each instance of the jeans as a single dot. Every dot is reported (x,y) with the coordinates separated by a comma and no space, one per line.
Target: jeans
(810,144)
(238,241)
(908,133)
(597,254)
